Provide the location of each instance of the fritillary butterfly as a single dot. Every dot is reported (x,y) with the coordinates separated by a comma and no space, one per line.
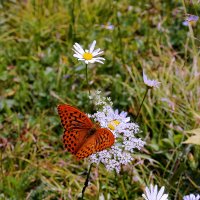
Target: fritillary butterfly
(82,137)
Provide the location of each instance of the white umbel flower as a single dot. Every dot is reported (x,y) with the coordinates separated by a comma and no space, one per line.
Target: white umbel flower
(150,83)
(191,197)
(152,193)
(88,56)
(124,131)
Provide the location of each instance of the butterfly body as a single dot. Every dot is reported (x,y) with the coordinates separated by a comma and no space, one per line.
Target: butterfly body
(82,137)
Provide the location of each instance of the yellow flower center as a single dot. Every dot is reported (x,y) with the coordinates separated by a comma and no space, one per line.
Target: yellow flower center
(87,56)
(113,124)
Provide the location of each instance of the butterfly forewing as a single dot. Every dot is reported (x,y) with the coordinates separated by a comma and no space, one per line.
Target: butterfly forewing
(76,125)
(73,118)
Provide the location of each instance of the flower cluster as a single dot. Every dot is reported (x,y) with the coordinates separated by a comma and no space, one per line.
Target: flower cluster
(100,101)
(123,130)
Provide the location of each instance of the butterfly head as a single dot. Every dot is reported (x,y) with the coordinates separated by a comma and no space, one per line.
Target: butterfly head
(93,129)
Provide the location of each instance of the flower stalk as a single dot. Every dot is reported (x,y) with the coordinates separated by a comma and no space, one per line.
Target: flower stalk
(147,89)
(86,181)
(86,75)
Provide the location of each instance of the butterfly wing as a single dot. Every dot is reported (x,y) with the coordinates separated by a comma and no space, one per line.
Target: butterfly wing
(100,140)
(104,139)
(76,125)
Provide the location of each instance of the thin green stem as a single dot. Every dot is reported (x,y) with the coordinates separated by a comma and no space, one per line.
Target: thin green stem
(142,103)
(86,181)
(119,35)
(86,75)
(2,175)
(195,54)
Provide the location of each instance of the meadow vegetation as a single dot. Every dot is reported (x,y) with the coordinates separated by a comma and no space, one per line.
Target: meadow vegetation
(38,72)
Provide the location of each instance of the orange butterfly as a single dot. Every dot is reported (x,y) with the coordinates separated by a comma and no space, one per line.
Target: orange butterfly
(82,137)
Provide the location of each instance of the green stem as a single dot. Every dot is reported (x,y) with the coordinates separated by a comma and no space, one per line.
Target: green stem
(86,181)
(142,103)
(86,75)
(2,175)
(119,35)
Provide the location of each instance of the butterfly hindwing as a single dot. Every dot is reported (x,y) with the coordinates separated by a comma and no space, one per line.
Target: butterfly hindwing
(100,140)
(104,139)
(87,149)
(73,139)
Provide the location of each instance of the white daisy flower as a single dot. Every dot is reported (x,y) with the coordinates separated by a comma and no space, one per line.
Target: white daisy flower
(191,197)
(152,193)
(124,132)
(150,83)
(88,56)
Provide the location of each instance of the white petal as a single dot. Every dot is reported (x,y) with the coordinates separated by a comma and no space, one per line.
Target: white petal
(144,77)
(78,48)
(77,55)
(92,46)
(148,193)
(100,58)
(97,53)
(155,191)
(92,60)
(164,197)
(97,60)
(77,52)
(160,193)
(145,197)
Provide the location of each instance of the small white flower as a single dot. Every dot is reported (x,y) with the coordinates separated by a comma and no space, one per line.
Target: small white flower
(191,197)
(152,193)
(150,83)
(88,56)
(123,130)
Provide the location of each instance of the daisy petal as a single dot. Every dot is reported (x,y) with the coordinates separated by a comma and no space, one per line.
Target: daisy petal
(78,48)
(92,46)
(160,193)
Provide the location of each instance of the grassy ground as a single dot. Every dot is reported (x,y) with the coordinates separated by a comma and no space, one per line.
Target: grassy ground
(38,72)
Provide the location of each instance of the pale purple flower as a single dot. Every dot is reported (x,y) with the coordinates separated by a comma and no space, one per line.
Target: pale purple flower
(88,56)
(150,83)
(152,193)
(190,19)
(191,197)
(108,26)
(124,132)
